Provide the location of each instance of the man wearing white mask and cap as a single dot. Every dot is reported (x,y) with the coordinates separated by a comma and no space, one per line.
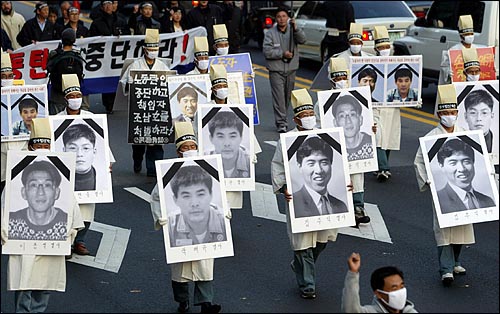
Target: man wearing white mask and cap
(200,56)
(466,32)
(221,41)
(32,277)
(201,271)
(387,120)
(148,62)
(472,67)
(355,38)
(449,240)
(307,246)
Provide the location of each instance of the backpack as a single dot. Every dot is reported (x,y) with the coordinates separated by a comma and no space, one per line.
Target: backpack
(64,62)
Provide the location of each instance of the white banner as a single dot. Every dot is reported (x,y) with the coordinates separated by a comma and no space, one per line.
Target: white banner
(104,57)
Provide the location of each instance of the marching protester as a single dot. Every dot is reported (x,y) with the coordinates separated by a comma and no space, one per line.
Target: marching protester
(12,23)
(221,41)
(355,40)
(58,28)
(73,96)
(307,246)
(148,62)
(206,15)
(339,15)
(282,55)
(449,240)
(201,271)
(145,19)
(200,56)
(64,18)
(38,28)
(76,24)
(388,288)
(109,23)
(387,120)
(32,277)
(63,60)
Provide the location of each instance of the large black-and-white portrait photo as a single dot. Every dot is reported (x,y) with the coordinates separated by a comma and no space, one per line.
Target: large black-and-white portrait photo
(369,74)
(37,203)
(87,137)
(478,109)
(459,171)
(227,130)
(193,197)
(20,105)
(351,110)
(317,176)
(185,93)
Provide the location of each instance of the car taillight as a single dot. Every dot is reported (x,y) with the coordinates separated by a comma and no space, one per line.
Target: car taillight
(268,22)
(367,35)
(195,3)
(419,14)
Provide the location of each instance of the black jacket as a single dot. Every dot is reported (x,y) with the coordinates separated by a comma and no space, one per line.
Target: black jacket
(143,23)
(207,18)
(81,30)
(31,31)
(109,25)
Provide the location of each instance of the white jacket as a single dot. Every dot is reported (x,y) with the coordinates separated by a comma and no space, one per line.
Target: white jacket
(12,25)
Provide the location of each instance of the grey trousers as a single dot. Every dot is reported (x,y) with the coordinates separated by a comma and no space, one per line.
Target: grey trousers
(304,266)
(281,88)
(203,291)
(31,301)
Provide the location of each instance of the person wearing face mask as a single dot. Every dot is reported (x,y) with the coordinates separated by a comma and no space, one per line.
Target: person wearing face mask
(200,56)
(200,272)
(387,120)
(355,39)
(33,277)
(449,240)
(221,41)
(282,54)
(466,32)
(148,62)
(71,88)
(7,75)
(307,246)
(472,69)
(388,288)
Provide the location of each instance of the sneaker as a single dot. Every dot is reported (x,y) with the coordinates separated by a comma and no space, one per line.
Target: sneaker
(208,307)
(183,307)
(388,173)
(447,279)
(382,177)
(308,293)
(459,270)
(360,216)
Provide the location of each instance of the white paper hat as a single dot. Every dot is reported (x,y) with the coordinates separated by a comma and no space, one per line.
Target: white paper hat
(152,39)
(200,46)
(470,58)
(338,67)
(301,100)
(381,36)
(465,24)
(220,33)
(40,131)
(447,97)
(218,74)
(356,31)
(6,63)
(183,132)
(70,83)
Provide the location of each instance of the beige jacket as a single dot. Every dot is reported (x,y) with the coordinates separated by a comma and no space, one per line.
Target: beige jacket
(453,235)
(12,24)
(388,122)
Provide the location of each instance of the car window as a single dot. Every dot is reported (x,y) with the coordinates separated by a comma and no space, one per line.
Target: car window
(442,14)
(370,9)
(306,10)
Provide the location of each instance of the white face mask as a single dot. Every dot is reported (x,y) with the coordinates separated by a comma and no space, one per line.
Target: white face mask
(190,153)
(469,39)
(472,78)
(448,121)
(385,52)
(308,123)
(152,54)
(42,150)
(397,299)
(340,84)
(222,93)
(203,64)
(356,48)
(222,51)
(74,103)
(7,82)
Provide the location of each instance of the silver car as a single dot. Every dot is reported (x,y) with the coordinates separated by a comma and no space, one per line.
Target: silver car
(395,15)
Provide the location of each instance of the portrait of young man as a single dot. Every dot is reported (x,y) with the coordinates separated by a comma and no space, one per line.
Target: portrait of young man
(479,114)
(226,136)
(81,139)
(315,162)
(403,79)
(368,77)
(200,220)
(456,160)
(41,219)
(28,110)
(187,99)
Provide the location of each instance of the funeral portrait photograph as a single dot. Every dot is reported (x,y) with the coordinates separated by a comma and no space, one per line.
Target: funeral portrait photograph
(371,75)
(403,83)
(185,93)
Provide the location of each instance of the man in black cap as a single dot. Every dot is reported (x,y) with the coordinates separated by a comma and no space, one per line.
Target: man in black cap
(108,24)
(38,28)
(63,60)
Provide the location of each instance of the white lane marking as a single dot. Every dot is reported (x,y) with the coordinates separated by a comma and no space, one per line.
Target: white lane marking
(111,250)
(375,230)
(139,193)
(264,204)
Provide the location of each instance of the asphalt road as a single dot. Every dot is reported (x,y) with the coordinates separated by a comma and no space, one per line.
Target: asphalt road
(258,278)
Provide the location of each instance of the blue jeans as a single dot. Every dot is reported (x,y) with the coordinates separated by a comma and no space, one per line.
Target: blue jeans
(358,199)
(153,153)
(303,265)
(203,291)
(448,256)
(31,301)
(383,159)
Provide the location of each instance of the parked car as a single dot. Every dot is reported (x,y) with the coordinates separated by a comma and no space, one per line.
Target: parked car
(395,15)
(438,31)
